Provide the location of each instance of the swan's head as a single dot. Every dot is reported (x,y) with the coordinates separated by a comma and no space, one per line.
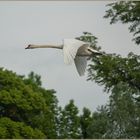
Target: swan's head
(30,47)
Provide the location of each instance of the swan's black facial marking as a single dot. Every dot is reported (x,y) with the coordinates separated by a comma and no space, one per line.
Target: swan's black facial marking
(89,50)
(29,47)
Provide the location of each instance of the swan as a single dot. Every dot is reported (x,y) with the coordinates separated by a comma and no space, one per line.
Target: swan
(74,51)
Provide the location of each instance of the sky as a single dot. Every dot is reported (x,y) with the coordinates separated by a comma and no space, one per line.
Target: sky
(46,22)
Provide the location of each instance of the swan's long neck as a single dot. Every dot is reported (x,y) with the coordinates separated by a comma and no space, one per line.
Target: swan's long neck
(44,46)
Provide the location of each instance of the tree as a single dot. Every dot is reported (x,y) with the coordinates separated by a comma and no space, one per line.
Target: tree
(47,121)
(121,77)
(24,100)
(99,125)
(109,70)
(123,113)
(126,12)
(85,121)
(89,38)
(33,79)
(69,122)
(17,130)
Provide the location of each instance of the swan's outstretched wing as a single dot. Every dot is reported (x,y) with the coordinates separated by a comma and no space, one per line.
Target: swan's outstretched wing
(80,63)
(70,49)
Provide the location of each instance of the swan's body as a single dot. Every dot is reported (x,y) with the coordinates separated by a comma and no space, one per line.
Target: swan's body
(73,50)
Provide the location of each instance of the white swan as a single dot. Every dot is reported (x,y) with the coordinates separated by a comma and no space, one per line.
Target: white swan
(74,51)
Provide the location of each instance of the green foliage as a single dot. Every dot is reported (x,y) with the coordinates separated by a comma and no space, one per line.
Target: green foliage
(109,70)
(89,38)
(85,121)
(34,79)
(24,100)
(17,130)
(69,123)
(126,12)
(124,113)
(99,125)
(120,117)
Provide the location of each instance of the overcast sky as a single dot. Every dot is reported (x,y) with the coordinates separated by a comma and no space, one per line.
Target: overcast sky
(23,23)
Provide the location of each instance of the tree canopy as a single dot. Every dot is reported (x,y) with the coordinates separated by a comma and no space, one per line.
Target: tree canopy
(17,130)
(126,12)
(120,76)
(24,100)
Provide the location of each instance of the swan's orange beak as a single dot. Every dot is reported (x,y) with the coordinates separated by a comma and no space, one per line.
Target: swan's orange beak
(28,46)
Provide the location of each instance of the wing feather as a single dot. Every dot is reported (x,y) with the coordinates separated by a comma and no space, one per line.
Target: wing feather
(70,49)
(80,63)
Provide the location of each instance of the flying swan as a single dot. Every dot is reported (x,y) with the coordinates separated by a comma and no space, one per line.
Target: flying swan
(74,51)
